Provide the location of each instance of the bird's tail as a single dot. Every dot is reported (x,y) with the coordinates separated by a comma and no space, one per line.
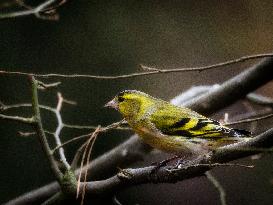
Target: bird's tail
(240,133)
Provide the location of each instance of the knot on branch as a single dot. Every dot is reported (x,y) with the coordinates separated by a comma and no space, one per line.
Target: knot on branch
(69,183)
(124,174)
(44,86)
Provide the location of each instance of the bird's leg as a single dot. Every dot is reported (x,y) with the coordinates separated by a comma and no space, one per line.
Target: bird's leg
(194,160)
(181,162)
(165,161)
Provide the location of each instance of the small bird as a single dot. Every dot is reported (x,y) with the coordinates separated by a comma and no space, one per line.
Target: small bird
(174,129)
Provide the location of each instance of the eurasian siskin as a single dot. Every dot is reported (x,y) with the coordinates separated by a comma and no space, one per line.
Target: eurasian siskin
(171,128)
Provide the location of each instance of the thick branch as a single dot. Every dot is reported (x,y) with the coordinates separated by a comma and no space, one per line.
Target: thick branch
(234,89)
(143,175)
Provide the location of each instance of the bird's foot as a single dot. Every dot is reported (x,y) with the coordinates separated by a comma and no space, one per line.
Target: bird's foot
(184,163)
(158,165)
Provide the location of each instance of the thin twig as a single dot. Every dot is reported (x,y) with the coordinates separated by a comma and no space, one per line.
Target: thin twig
(24,120)
(77,156)
(23,4)
(218,186)
(115,125)
(41,8)
(26,134)
(260,99)
(94,136)
(4,107)
(82,163)
(249,120)
(69,141)
(116,201)
(58,131)
(19,105)
(43,86)
(152,72)
(92,127)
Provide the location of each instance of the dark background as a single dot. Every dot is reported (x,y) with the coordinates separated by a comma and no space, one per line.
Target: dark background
(114,37)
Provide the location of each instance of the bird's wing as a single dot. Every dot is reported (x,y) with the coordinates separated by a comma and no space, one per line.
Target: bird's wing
(172,120)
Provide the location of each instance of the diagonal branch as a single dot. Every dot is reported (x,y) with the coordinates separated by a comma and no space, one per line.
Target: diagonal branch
(58,131)
(218,186)
(40,131)
(234,89)
(43,7)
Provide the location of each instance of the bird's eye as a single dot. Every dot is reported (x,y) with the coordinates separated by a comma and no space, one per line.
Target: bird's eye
(121,99)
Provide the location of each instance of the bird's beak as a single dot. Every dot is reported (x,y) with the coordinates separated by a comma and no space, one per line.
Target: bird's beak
(112,104)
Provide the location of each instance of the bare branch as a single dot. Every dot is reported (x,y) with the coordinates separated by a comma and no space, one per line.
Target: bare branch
(18,119)
(40,131)
(43,10)
(151,72)
(4,107)
(58,131)
(260,100)
(43,86)
(249,120)
(77,156)
(218,186)
(26,134)
(234,89)
(116,201)
(92,127)
(115,125)
(93,139)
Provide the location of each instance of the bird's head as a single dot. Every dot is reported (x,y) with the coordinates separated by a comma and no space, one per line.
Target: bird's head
(130,103)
